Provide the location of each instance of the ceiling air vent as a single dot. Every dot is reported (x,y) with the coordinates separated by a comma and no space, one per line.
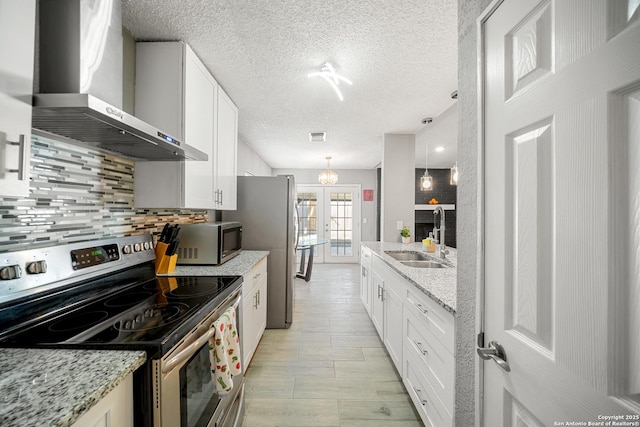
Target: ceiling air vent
(317,136)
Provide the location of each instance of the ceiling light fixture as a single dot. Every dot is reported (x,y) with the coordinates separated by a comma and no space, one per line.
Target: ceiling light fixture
(440,149)
(328,177)
(426,181)
(328,72)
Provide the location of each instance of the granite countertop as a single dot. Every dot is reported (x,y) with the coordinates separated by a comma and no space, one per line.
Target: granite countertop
(438,283)
(41,387)
(238,266)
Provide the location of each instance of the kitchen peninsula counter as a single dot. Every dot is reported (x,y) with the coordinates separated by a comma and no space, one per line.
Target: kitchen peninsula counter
(237,266)
(437,283)
(43,387)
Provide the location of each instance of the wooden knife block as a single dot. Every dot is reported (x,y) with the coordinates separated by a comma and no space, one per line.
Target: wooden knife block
(164,264)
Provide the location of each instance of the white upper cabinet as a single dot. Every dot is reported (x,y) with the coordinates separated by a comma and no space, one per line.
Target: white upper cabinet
(226,153)
(17,36)
(176,93)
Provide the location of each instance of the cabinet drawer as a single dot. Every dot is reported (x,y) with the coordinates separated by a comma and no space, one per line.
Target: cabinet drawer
(437,321)
(422,394)
(436,363)
(254,277)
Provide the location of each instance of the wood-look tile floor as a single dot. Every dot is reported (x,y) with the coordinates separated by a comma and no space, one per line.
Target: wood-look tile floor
(330,368)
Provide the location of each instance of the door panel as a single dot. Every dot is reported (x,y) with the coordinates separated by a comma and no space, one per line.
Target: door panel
(561,281)
(332,213)
(342,225)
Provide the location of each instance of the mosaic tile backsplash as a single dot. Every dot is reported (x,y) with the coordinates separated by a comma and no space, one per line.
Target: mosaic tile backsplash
(78,194)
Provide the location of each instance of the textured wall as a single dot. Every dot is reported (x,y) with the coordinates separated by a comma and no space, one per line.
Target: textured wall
(467,210)
(398,174)
(78,194)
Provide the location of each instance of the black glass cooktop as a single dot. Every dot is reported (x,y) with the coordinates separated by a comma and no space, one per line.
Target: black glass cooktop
(131,309)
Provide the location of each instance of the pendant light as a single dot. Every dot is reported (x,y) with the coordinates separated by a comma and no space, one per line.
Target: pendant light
(426,181)
(328,177)
(453,180)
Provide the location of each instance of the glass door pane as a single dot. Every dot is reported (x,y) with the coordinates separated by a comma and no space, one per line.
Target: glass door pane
(310,210)
(341,225)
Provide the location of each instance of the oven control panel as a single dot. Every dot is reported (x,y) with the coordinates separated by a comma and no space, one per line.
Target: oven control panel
(88,257)
(32,271)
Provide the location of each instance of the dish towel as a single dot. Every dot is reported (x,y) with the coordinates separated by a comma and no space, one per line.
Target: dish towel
(224,351)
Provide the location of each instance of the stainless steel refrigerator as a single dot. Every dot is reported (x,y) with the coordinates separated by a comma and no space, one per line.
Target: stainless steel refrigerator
(267,209)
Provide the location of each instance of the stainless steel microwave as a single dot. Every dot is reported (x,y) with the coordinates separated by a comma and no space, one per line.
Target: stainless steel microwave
(210,243)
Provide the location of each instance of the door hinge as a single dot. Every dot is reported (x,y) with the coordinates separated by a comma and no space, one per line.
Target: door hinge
(480,341)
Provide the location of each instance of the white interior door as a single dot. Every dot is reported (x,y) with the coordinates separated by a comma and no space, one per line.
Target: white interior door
(333,213)
(561,202)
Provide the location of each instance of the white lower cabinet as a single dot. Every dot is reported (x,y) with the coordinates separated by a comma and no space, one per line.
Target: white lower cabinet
(365,278)
(254,310)
(436,362)
(377,304)
(423,395)
(419,336)
(113,410)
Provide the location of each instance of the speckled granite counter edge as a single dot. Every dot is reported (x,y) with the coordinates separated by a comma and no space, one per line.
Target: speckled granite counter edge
(56,387)
(238,266)
(447,278)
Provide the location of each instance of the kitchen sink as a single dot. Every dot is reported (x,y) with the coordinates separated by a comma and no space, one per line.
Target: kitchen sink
(408,256)
(423,264)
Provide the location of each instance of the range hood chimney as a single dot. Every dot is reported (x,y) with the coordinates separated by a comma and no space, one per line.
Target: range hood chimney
(80,99)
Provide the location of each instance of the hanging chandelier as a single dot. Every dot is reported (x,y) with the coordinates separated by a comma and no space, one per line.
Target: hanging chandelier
(328,177)
(328,73)
(426,181)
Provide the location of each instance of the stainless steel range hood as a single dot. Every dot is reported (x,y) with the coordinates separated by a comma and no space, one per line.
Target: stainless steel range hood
(80,83)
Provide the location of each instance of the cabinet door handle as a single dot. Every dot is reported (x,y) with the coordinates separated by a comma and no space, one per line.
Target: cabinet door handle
(259,297)
(422,350)
(379,289)
(255,276)
(255,301)
(20,170)
(422,309)
(419,394)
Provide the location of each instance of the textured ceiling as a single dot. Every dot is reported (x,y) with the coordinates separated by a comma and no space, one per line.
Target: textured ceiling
(401,56)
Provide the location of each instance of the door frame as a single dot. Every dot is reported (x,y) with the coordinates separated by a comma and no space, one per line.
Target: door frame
(480,209)
(320,257)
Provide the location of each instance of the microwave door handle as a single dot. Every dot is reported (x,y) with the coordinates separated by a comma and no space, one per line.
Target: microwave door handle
(192,348)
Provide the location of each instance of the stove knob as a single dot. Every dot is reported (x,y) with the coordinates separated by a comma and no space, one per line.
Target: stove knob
(37,267)
(10,272)
(138,318)
(127,249)
(136,247)
(148,312)
(146,246)
(128,324)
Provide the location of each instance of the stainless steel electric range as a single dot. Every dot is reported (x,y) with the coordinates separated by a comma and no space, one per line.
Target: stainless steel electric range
(105,295)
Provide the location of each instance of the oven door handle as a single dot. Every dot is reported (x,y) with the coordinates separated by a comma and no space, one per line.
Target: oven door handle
(192,348)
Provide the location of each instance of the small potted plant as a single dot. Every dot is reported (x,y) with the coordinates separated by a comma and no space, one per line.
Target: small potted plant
(406,235)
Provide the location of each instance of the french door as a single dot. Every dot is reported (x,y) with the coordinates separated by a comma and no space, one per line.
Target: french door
(332,213)
(561,322)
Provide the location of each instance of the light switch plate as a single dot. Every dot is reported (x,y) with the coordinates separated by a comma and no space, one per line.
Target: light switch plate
(398,225)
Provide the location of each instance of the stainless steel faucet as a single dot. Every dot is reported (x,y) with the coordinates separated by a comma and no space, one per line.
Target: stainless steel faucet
(439,233)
